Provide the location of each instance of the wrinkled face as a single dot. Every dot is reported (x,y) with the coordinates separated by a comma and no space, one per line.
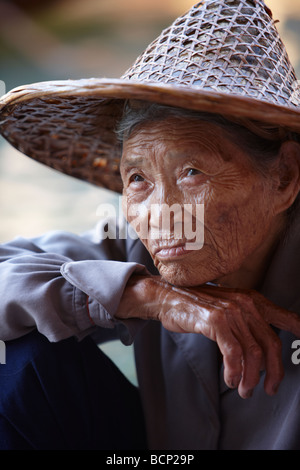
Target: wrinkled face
(190,163)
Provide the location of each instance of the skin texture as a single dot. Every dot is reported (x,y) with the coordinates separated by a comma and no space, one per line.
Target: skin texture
(178,161)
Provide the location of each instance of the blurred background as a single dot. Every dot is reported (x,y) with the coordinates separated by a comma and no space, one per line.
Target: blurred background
(61,39)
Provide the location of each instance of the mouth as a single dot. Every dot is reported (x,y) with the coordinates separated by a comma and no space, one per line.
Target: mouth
(171,251)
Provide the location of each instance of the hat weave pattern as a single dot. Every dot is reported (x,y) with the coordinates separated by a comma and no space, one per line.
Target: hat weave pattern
(229,46)
(72,134)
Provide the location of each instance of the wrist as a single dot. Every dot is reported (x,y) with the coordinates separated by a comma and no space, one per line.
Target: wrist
(138,298)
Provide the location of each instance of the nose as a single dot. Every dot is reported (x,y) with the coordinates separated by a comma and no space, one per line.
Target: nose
(166,221)
(165,214)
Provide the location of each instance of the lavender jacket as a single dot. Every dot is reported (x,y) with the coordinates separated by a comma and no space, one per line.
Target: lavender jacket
(45,282)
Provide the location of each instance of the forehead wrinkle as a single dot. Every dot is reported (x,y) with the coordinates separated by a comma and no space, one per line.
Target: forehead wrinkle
(211,138)
(175,134)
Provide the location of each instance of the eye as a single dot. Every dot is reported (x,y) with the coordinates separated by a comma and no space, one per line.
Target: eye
(193,172)
(136,178)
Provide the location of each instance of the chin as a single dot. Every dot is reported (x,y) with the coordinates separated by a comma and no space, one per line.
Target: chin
(181,276)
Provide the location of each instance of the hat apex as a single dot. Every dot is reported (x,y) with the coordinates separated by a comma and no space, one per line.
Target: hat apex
(227,46)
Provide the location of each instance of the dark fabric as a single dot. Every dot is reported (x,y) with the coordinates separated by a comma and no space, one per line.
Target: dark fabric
(66,395)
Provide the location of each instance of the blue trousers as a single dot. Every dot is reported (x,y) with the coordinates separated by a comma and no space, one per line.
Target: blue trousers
(66,396)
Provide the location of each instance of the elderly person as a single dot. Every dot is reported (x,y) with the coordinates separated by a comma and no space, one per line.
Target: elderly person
(204,117)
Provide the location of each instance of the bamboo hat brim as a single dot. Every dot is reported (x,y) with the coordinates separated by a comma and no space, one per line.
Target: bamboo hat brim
(223,57)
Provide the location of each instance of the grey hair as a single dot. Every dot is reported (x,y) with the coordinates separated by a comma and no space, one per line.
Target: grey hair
(260,142)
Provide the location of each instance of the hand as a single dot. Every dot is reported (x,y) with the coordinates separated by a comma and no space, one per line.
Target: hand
(238,320)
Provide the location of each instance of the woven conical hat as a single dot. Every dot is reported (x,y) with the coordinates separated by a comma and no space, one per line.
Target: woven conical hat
(222,56)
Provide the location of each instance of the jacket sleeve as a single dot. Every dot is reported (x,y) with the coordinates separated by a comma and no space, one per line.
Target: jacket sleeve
(64,285)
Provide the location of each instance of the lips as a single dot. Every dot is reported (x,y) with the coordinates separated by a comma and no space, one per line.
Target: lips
(170,250)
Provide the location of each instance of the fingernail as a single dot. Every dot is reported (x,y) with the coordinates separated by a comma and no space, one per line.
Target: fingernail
(234,383)
(275,388)
(249,393)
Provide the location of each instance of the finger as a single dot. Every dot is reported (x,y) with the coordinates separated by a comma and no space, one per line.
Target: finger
(273,314)
(242,354)
(252,359)
(272,357)
(261,345)
(252,353)
(232,357)
(277,316)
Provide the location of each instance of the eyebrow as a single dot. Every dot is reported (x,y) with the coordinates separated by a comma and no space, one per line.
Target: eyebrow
(132,160)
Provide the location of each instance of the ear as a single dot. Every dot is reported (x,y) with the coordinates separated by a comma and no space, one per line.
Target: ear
(288,176)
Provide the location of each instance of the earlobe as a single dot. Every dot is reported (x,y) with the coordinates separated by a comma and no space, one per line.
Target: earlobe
(288,175)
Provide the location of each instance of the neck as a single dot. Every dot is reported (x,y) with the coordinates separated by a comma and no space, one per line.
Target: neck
(252,272)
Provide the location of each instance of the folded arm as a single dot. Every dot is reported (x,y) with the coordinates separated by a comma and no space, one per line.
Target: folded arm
(64,285)
(67,285)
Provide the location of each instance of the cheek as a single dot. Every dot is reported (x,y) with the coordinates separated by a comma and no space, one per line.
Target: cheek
(237,224)
(131,204)
(236,203)
(137,215)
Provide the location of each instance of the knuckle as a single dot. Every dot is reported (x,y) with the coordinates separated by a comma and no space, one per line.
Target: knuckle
(246,301)
(216,316)
(232,308)
(256,352)
(277,345)
(233,351)
(239,297)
